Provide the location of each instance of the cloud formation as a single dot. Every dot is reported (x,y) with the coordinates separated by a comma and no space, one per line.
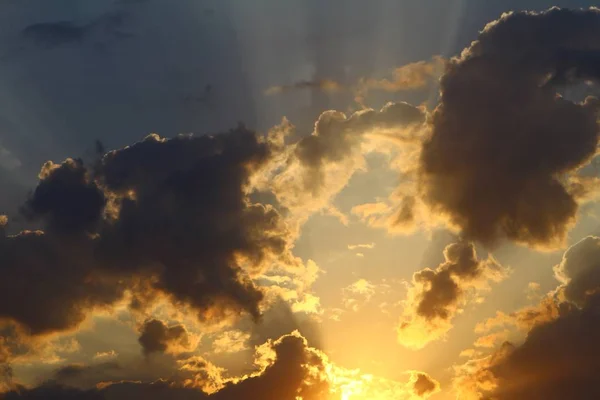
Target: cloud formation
(504,144)
(174,214)
(287,369)
(416,75)
(558,358)
(157,337)
(411,76)
(326,85)
(319,166)
(437,296)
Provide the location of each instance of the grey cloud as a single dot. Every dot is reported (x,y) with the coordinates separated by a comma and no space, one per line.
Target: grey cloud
(502,140)
(53,34)
(579,270)
(156,336)
(559,356)
(425,385)
(172,211)
(437,295)
(289,375)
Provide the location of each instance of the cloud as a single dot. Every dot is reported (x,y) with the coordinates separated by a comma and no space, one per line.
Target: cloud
(157,337)
(66,198)
(66,286)
(407,77)
(105,354)
(286,368)
(361,246)
(284,372)
(171,216)
(319,166)
(358,293)
(326,85)
(579,270)
(504,146)
(557,359)
(436,296)
(107,27)
(424,385)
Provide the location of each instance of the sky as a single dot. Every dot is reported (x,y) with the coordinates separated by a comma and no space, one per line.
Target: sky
(340,200)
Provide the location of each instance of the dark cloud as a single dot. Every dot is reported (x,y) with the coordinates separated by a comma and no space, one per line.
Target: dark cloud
(437,295)
(52,34)
(503,141)
(66,198)
(185,217)
(107,27)
(289,370)
(173,212)
(558,360)
(559,357)
(442,285)
(425,385)
(580,270)
(337,139)
(157,337)
(49,283)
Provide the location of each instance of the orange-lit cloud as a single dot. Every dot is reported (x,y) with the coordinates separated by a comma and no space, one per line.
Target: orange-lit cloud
(407,77)
(326,85)
(319,166)
(157,337)
(286,369)
(437,296)
(557,359)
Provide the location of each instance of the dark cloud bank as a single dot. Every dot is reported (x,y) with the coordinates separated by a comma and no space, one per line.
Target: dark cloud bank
(559,358)
(173,212)
(502,140)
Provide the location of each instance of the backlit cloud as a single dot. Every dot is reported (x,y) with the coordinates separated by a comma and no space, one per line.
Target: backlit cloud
(286,369)
(557,359)
(437,296)
(157,337)
(503,143)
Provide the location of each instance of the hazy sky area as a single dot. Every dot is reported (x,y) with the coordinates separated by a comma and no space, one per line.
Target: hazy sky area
(416,246)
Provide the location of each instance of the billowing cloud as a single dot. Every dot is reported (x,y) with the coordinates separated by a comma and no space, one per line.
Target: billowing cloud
(66,198)
(558,358)
(184,215)
(319,166)
(407,77)
(579,270)
(437,296)
(504,144)
(66,286)
(175,214)
(157,337)
(286,369)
